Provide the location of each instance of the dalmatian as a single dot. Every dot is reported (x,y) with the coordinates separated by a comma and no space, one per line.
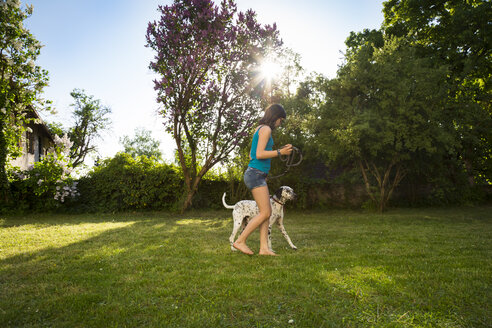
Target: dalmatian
(245,210)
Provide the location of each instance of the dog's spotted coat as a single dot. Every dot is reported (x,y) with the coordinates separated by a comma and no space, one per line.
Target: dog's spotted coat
(245,210)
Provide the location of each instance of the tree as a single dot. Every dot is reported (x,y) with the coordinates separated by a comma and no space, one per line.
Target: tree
(384,107)
(21,82)
(142,144)
(458,34)
(90,119)
(206,55)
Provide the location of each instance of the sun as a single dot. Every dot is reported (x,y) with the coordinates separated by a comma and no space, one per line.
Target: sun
(270,69)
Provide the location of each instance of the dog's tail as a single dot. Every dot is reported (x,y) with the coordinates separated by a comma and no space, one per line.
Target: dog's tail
(225,205)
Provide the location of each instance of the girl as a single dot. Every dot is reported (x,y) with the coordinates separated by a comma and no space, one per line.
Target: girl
(255,176)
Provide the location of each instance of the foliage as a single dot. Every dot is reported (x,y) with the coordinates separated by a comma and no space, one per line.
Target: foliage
(126,183)
(384,107)
(142,145)
(206,55)
(367,39)
(122,183)
(55,128)
(90,119)
(458,34)
(47,183)
(21,82)
(297,130)
(280,84)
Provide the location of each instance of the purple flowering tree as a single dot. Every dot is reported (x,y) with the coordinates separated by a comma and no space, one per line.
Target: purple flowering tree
(206,57)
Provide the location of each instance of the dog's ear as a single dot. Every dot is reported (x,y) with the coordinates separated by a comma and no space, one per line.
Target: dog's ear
(278,193)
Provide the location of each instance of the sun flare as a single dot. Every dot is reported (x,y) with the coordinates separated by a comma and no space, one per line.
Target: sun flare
(270,69)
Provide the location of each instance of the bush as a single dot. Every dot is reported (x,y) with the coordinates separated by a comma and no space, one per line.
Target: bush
(41,188)
(47,184)
(124,183)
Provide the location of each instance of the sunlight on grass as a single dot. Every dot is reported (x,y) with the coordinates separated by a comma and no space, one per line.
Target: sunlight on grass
(28,238)
(211,224)
(360,282)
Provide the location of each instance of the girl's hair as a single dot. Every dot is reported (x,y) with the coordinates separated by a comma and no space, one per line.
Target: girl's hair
(272,114)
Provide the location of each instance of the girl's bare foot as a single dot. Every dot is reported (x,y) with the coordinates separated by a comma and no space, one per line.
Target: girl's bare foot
(242,248)
(267,252)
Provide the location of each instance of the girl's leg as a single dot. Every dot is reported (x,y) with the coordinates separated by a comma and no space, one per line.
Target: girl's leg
(262,198)
(264,250)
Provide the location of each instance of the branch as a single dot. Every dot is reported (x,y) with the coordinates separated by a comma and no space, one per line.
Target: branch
(182,160)
(400,174)
(375,173)
(366,181)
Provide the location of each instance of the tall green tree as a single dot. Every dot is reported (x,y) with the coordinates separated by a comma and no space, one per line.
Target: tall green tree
(142,144)
(21,82)
(383,107)
(458,34)
(91,118)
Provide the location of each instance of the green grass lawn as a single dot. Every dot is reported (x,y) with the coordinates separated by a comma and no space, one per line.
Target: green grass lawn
(406,268)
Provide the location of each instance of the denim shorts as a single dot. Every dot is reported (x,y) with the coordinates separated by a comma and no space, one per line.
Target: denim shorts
(254,178)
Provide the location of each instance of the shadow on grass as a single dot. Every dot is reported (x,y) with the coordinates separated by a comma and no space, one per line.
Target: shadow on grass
(60,219)
(138,273)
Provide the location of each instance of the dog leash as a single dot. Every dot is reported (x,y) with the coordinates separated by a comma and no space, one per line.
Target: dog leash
(289,161)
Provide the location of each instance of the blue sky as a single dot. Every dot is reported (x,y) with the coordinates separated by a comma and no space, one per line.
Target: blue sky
(99,46)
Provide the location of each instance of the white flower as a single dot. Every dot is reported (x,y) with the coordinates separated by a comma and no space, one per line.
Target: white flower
(15,3)
(20,175)
(3,110)
(64,143)
(17,45)
(40,181)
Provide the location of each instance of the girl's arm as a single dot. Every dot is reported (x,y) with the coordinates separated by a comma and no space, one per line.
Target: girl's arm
(263,137)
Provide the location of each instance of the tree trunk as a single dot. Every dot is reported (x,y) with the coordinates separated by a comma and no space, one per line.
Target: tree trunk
(191,189)
(193,181)
(469,170)
(366,181)
(188,201)
(385,184)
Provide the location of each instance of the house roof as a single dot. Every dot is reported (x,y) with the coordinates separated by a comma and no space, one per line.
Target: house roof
(33,113)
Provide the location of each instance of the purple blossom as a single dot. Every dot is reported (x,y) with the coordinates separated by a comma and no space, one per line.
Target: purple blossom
(197,44)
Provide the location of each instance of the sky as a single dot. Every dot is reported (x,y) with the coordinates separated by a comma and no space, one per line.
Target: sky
(99,46)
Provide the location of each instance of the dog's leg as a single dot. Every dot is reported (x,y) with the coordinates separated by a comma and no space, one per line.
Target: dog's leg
(238,222)
(244,223)
(271,221)
(282,229)
(270,238)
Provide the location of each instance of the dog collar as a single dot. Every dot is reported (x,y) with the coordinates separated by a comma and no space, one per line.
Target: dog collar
(277,201)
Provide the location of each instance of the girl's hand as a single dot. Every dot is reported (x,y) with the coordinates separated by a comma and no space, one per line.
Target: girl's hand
(286,150)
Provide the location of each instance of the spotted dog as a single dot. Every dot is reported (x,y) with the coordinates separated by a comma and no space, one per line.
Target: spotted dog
(245,210)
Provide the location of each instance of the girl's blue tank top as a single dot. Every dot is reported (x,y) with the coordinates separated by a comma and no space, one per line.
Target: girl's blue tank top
(260,164)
